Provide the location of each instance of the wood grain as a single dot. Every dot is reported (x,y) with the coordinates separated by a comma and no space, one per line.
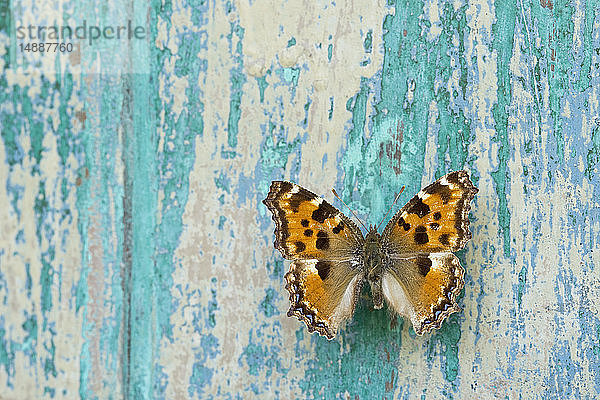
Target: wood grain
(136,257)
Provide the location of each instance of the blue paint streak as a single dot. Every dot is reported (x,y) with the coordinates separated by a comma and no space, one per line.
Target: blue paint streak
(237,80)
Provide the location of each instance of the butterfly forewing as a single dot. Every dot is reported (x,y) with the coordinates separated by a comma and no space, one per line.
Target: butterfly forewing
(435,220)
(307,227)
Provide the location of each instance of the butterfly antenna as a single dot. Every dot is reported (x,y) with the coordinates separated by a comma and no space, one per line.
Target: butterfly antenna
(388,213)
(351,210)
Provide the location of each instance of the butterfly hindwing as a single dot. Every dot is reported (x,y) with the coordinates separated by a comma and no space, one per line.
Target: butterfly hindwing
(424,288)
(323,294)
(324,280)
(424,277)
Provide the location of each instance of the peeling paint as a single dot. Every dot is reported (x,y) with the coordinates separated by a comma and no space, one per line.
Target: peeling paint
(137,259)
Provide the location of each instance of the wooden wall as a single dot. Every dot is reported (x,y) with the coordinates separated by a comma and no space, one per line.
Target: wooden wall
(136,257)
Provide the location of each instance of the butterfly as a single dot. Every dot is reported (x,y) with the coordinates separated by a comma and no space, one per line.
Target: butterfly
(410,264)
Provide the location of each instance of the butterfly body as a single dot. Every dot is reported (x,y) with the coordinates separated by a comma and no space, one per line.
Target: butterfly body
(374,262)
(410,264)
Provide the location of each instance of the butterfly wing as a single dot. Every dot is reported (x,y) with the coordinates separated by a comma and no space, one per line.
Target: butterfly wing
(324,279)
(424,277)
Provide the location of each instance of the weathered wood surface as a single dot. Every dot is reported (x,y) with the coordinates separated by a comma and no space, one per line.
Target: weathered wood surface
(136,258)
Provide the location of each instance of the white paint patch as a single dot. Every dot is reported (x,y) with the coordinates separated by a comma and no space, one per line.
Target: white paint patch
(431,147)
(431,9)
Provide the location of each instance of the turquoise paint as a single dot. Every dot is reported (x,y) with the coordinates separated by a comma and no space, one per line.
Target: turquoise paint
(222,220)
(330,111)
(6,354)
(237,80)
(36,135)
(180,161)
(212,306)
(290,76)
(49,366)
(291,42)
(368,41)
(304,123)
(585,67)
(29,344)
(14,152)
(204,320)
(555,24)
(274,155)
(503,31)
(352,158)
(262,85)
(29,281)
(593,154)
(275,268)
(263,355)
(448,337)
(46,281)
(223,182)
(454,134)
(329,52)
(266,306)
(200,378)
(82,203)
(139,216)
(228,155)
(367,363)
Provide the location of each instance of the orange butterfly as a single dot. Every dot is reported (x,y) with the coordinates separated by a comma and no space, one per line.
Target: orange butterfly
(410,264)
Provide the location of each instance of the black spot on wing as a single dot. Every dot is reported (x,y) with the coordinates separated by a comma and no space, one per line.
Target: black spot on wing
(304,223)
(324,211)
(444,239)
(437,215)
(416,206)
(295,202)
(308,232)
(284,187)
(403,224)
(442,190)
(300,247)
(338,228)
(424,265)
(322,241)
(421,235)
(323,268)
(454,177)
